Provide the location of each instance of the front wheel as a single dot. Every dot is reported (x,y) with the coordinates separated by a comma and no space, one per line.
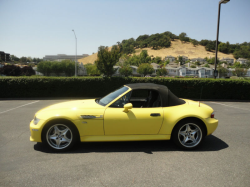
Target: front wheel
(60,137)
(188,134)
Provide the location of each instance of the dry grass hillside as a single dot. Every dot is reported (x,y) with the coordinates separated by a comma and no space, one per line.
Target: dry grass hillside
(177,48)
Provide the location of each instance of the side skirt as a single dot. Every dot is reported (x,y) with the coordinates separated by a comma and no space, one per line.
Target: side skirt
(124,138)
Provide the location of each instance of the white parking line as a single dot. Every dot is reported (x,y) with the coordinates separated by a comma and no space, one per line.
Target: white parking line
(18,107)
(230,106)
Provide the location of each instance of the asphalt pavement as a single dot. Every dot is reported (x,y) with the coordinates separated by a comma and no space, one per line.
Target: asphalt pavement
(222,160)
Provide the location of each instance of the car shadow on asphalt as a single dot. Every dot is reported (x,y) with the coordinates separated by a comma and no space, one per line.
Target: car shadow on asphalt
(210,143)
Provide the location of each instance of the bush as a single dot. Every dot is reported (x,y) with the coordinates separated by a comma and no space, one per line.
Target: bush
(145,69)
(10,70)
(98,87)
(126,71)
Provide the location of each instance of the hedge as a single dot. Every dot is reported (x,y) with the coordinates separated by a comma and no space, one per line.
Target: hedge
(98,86)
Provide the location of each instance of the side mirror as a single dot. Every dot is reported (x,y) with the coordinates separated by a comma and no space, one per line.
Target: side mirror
(127,107)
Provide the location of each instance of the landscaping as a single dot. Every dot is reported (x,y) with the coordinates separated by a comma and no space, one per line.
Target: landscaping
(48,87)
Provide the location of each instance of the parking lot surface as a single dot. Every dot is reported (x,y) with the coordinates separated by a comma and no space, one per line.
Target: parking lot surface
(222,160)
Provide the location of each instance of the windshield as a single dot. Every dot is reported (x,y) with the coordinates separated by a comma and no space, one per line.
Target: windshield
(110,97)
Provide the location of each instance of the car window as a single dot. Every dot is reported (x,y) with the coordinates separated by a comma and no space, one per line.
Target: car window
(121,101)
(110,97)
(139,94)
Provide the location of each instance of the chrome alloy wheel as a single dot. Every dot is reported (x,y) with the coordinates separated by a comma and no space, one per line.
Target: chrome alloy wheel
(190,135)
(59,136)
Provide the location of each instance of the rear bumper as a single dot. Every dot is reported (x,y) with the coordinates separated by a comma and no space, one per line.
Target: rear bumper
(36,131)
(212,124)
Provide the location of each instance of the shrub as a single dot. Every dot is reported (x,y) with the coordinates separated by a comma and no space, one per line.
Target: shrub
(145,69)
(25,87)
(125,70)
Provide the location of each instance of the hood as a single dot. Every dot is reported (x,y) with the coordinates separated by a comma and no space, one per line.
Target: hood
(73,105)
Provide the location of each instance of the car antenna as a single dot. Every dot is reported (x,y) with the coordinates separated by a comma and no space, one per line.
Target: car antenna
(200,96)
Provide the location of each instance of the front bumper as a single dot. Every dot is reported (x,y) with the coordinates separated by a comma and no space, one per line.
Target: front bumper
(36,131)
(212,124)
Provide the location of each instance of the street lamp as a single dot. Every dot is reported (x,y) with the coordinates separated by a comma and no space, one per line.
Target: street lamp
(217,38)
(76,53)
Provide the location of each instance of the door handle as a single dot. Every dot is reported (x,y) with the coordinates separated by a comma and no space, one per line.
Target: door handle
(155,114)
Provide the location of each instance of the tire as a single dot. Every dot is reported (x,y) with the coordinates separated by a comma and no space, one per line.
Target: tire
(188,134)
(60,136)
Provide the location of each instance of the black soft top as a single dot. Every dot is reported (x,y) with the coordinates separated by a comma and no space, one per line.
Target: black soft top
(167,97)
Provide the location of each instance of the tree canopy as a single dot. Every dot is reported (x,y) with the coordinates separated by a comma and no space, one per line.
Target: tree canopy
(107,59)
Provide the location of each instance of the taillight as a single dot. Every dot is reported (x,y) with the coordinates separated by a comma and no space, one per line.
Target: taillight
(212,115)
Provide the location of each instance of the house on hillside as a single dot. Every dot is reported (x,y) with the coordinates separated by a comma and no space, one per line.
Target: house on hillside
(134,71)
(184,58)
(242,60)
(156,67)
(228,60)
(201,72)
(170,58)
(202,60)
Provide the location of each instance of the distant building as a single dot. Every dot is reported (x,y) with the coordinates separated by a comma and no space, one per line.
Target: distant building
(242,60)
(228,60)
(5,57)
(184,58)
(198,59)
(61,57)
(170,58)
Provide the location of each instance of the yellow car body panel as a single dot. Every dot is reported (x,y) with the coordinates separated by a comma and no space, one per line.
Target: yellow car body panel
(113,124)
(174,114)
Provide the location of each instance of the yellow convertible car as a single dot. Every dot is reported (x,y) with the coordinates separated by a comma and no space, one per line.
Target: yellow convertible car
(134,112)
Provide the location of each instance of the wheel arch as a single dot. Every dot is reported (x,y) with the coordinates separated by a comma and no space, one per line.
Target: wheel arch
(191,118)
(59,120)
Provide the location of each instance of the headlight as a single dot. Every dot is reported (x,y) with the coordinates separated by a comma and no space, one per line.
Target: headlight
(36,120)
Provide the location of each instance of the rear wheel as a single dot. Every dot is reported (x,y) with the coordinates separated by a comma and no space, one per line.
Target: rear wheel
(60,136)
(188,134)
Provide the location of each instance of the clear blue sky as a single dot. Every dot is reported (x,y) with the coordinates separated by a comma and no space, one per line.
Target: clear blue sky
(44,27)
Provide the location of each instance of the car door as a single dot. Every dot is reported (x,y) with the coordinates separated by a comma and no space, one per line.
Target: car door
(135,121)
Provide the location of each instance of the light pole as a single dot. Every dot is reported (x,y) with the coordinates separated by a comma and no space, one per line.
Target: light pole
(76,54)
(217,38)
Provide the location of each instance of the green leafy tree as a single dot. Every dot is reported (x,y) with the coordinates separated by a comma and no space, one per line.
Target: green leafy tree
(223,47)
(14,58)
(107,59)
(68,67)
(166,62)
(45,67)
(240,72)
(145,69)
(193,66)
(154,44)
(222,71)
(143,57)
(157,60)
(209,47)
(194,42)
(212,60)
(162,71)
(57,68)
(207,66)
(197,63)
(92,70)
(125,70)
(181,60)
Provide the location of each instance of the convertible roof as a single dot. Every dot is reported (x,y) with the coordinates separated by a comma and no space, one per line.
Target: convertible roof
(167,97)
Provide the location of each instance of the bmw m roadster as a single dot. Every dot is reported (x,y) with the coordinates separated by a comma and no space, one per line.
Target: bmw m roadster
(134,112)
